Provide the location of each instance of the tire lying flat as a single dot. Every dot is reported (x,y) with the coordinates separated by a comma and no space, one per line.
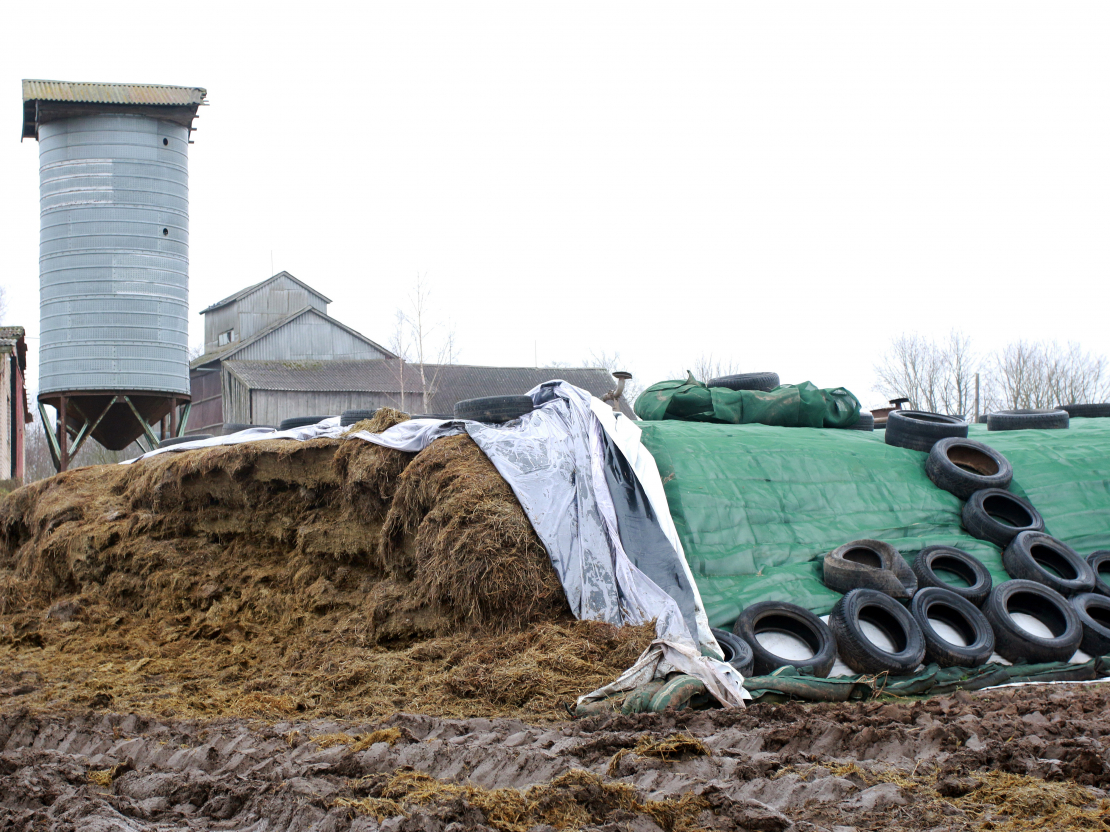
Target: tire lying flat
(1035,556)
(493,409)
(353,417)
(1027,420)
(866,422)
(1016,644)
(998,516)
(1086,411)
(959,563)
(964,466)
(776,617)
(858,651)
(1094,614)
(301,422)
(919,430)
(737,651)
(765,382)
(869,564)
(937,604)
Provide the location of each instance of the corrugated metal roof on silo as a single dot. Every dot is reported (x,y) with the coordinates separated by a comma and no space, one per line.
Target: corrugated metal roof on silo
(92,93)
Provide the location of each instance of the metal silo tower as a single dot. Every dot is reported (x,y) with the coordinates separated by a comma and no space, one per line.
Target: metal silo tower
(113,258)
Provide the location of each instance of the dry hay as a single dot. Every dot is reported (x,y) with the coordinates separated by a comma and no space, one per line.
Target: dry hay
(570,801)
(668,749)
(329,577)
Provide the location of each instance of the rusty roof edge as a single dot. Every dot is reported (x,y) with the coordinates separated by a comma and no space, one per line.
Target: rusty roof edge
(91,92)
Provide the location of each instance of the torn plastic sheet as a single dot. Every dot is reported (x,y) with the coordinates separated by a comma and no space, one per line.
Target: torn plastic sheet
(555,459)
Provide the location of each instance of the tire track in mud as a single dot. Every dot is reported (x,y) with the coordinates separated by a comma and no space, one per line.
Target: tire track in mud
(913,765)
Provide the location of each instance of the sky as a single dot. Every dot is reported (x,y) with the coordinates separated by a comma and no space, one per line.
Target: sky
(780,186)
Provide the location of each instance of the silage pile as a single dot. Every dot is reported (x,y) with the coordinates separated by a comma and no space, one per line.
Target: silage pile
(327,578)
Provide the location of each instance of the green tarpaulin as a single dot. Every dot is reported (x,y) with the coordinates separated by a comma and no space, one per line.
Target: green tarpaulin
(758,506)
(791,405)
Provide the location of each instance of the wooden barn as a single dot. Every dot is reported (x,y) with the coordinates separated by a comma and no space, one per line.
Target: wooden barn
(271,351)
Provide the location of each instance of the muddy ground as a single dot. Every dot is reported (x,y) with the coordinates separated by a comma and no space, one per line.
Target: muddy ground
(1008,759)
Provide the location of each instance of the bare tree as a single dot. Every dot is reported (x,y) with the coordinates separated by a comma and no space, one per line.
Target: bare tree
(1032,375)
(915,368)
(418,341)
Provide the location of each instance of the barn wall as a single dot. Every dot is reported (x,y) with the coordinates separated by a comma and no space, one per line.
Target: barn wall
(217,321)
(206,415)
(269,407)
(309,338)
(237,401)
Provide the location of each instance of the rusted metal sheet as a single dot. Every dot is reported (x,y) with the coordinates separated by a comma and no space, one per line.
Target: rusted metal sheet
(94,93)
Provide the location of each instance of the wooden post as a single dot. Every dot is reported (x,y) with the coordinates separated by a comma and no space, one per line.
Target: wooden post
(173,417)
(63,434)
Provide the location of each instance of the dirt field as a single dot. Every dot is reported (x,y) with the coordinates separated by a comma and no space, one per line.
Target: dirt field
(330,635)
(1011,759)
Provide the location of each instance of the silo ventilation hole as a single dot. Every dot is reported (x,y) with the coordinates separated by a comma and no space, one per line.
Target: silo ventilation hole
(165,232)
(165,142)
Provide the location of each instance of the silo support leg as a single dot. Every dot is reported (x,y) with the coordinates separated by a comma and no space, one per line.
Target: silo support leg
(184,419)
(51,439)
(87,428)
(150,435)
(63,431)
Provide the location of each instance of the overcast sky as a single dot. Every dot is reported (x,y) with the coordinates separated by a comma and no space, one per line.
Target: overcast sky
(785,186)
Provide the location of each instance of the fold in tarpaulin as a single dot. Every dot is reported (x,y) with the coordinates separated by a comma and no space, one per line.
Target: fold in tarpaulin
(593,495)
(933,680)
(787,406)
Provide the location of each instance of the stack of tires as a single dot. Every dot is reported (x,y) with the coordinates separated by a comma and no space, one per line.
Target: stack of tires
(945,609)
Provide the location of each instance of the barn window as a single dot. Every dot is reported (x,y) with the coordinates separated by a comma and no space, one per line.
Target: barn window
(226,337)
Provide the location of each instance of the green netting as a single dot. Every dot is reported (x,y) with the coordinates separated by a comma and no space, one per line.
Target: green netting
(791,405)
(757,506)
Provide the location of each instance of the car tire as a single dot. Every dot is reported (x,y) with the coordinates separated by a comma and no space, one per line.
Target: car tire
(1100,564)
(919,430)
(866,422)
(1027,420)
(964,466)
(178,440)
(1036,556)
(765,382)
(869,564)
(493,409)
(891,618)
(998,516)
(958,562)
(935,603)
(772,616)
(738,652)
(1016,644)
(1094,614)
(301,422)
(353,417)
(1086,411)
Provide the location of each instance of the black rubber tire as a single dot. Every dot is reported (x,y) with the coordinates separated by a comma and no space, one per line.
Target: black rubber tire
(1100,564)
(894,620)
(234,427)
(869,564)
(431,416)
(738,652)
(1018,645)
(964,466)
(959,614)
(774,616)
(178,440)
(866,422)
(301,422)
(494,409)
(983,507)
(951,559)
(919,430)
(1027,420)
(353,417)
(1094,614)
(1035,556)
(1086,411)
(765,382)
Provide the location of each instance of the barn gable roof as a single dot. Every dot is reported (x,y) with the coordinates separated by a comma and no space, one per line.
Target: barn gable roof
(250,290)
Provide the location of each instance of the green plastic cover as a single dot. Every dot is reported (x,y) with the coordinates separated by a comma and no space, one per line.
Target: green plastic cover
(791,405)
(757,507)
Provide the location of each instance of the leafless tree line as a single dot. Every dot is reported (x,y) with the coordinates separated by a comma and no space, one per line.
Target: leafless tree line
(939,376)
